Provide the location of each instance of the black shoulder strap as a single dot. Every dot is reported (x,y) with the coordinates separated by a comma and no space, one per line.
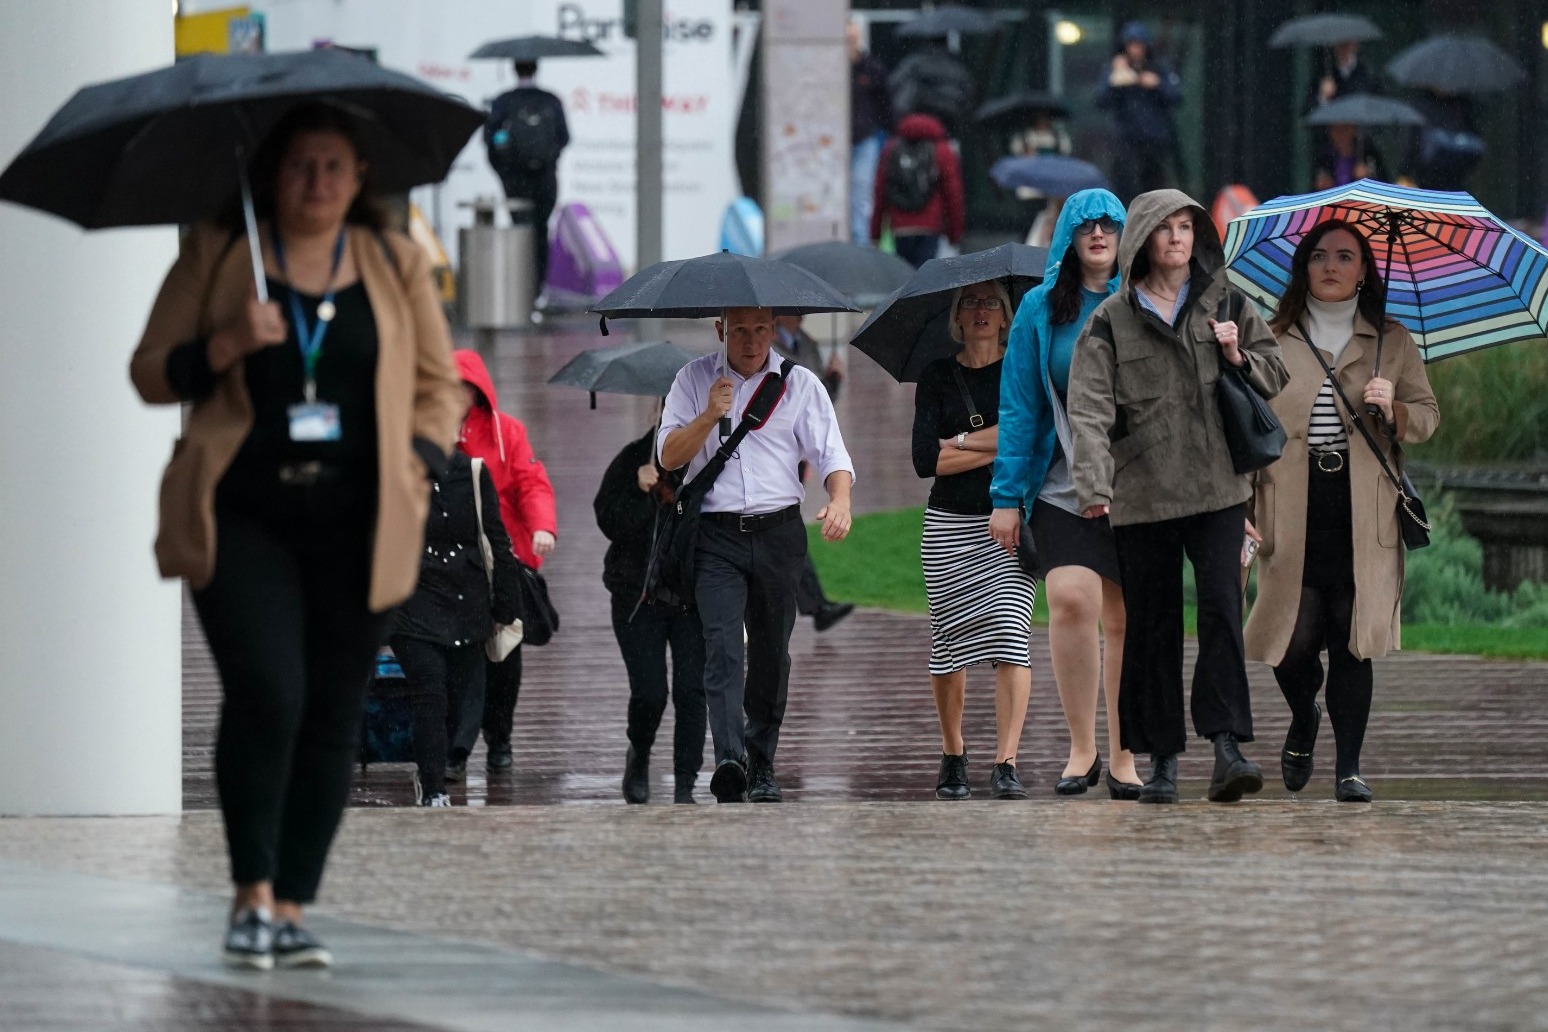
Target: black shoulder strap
(757,413)
(974,419)
(1358,422)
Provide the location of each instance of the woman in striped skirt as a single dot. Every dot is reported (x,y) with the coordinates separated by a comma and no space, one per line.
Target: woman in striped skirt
(980,600)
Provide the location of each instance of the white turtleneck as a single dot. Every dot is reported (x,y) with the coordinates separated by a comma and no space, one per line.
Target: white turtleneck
(1331,323)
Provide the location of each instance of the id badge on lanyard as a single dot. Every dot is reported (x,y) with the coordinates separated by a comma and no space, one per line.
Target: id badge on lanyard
(312,420)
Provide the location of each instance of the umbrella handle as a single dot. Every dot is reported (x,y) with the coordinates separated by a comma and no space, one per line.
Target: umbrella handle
(725,421)
(251,218)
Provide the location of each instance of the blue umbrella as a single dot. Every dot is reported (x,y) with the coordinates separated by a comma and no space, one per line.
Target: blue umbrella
(1051,174)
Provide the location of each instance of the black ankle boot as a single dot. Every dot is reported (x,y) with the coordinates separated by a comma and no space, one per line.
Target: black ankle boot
(636,778)
(1161,787)
(1235,775)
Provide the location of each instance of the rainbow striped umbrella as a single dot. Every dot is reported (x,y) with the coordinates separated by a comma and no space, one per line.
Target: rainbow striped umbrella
(1457,276)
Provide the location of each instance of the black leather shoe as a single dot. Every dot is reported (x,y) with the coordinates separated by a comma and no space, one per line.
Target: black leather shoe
(1352,789)
(952,783)
(1235,775)
(1162,785)
(1295,762)
(683,790)
(1076,784)
(1122,789)
(761,786)
(636,779)
(1004,784)
(729,782)
(499,757)
(830,614)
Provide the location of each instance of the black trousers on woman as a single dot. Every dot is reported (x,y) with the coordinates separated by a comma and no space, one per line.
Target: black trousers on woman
(502,686)
(293,639)
(1150,701)
(442,681)
(644,634)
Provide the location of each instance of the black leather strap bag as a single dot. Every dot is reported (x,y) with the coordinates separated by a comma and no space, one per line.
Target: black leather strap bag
(1253,433)
(1026,547)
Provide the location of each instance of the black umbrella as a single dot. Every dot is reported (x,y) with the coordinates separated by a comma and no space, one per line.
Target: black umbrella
(1324,30)
(1016,110)
(865,274)
(1456,64)
(949,18)
(1365,109)
(534,48)
(910,329)
(645,367)
(934,82)
(701,288)
(1051,174)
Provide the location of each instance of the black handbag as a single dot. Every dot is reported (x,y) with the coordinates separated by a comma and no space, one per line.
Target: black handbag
(1413,523)
(1026,546)
(539,618)
(1254,436)
(669,572)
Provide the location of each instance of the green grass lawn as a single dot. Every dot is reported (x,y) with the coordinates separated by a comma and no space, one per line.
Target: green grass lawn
(878,565)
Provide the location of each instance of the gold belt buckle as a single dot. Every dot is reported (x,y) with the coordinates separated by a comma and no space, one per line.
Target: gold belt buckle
(1338,457)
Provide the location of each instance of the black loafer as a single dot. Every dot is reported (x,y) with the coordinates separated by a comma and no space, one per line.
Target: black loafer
(952,783)
(1352,789)
(1295,762)
(636,777)
(1004,784)
(1076,784)
(729,782)
(1122,789)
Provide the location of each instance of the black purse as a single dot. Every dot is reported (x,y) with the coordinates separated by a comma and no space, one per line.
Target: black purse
(1026,547)
(539,618)
(1254,436)
(1413,522)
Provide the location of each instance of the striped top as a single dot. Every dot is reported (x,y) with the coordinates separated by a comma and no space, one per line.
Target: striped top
(1326,431)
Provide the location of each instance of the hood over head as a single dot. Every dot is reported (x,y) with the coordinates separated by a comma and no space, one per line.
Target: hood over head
(1149,210)
(1135,32)
(470,366)
(1080,207)
(920,126)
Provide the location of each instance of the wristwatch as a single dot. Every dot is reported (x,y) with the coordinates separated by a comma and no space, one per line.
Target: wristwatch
(962,441)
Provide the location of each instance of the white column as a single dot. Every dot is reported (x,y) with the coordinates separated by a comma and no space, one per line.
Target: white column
(90,671)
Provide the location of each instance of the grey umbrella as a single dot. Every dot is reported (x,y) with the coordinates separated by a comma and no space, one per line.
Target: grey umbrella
(1456,64)
(645,367)
(949,18)
(701,288)
(865,274)
(535,48)
(1365,109)
(1324,30)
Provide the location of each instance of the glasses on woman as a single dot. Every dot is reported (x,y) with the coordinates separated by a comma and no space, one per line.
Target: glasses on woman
(1107,225)
(988,304)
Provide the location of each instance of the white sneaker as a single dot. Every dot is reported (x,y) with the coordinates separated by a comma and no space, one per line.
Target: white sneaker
(437,800)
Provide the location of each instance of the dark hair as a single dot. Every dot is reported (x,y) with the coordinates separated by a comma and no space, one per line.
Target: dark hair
(525,69)
(309,118)
(1064,298)
(1372,292)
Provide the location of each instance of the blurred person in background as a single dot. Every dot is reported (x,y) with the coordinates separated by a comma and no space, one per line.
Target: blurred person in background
(523,137)
(918,190)
(870,120)
(1141,91)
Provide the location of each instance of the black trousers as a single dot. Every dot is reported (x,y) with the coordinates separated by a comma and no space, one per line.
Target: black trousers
(287,622)
(1150,703)
(809,594)
(502,685)
(443,682)
(644,634)
(747,579)
(916,248)
(543,192)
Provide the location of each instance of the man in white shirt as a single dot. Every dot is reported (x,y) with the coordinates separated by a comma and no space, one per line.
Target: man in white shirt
(752,543)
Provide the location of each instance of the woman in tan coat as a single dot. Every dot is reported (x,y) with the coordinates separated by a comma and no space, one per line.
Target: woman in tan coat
(1331,573)
(294,504)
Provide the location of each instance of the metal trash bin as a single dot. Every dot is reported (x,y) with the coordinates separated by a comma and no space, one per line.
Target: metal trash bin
(495,266)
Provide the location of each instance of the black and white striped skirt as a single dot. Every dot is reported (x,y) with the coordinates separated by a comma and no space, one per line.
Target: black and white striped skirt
(980,601)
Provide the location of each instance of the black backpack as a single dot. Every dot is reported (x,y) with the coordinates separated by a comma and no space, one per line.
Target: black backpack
(526,139)
(911,175)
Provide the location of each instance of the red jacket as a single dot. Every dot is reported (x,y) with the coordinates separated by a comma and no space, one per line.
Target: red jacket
(944,212)
(526,496)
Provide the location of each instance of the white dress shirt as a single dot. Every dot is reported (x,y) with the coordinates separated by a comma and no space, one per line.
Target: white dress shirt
(761,475)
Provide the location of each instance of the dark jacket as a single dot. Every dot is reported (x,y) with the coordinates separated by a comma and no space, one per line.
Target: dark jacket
(452,605)
(870,104)
(1143,114)
(944,212)
(628,517)
(530,95)
(1361,79)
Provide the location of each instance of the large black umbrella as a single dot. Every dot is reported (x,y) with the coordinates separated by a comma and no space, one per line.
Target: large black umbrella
(1324,30)
(645,367)
(701,288)
(1016,110)
(1456,64)
(534,48)
(935,83)
(910,329)
(1365,109)
(1052,174)
(949,18)
(865,274)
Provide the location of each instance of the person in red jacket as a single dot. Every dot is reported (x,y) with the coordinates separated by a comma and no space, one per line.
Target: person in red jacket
(918,189)
(527,506)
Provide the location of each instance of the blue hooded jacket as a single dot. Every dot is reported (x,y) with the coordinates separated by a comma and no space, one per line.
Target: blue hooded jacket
(1028,432)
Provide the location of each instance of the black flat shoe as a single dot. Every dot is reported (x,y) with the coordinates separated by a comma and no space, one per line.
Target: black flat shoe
(952,783)
(1122,789)
(1076,784)
(1352,789)
(1295,762)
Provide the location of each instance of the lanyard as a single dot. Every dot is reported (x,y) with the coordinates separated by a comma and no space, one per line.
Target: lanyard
(310,339)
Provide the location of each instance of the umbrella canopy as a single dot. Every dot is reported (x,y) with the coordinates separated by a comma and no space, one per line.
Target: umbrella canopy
(1324,30)
(1456,64)
(1365,109)
(534,48)
(162,147)
(1019,109)
(645,367)
(1457,276)
(864,273)
(910,329)
(949,18)
(1051,174)
(701,288)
